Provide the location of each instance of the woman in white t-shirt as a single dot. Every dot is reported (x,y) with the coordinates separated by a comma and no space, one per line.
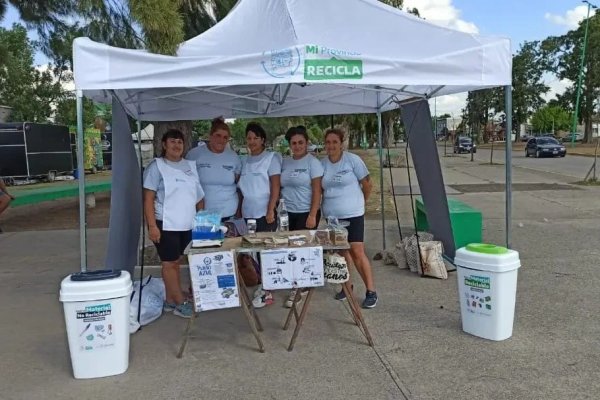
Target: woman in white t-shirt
(301,175)
(346,188)
(259,186)
(172,195)
(259,182)
(219,170)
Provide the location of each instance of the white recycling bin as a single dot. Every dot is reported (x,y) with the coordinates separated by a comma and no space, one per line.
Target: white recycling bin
(487,289)
(96,306)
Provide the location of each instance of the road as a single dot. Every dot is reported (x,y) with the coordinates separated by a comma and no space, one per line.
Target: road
(570,166)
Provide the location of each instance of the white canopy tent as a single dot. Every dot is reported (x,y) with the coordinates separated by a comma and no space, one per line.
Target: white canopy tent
(273,58)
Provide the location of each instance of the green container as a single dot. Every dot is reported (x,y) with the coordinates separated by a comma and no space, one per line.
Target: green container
(466,221)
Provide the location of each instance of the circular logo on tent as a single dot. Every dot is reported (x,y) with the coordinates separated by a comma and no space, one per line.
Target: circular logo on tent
(281,63)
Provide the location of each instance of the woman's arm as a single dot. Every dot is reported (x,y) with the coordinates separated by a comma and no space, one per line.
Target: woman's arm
(315,202)
(3,188)
(366,186)
(274,187)
(200,205)
(153,231)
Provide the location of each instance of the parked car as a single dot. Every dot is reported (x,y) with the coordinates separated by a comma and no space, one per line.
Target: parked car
(525,138)
(463,145)
(569,137)
(544,147)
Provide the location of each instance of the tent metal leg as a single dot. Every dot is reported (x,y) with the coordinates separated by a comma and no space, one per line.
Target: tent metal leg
(380,145)
(81,178)
(508,161)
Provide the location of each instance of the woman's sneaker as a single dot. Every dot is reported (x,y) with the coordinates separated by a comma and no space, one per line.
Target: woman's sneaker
(263,298)
(290,300)
(341,295)
(258,291)
(169,307)
(370,300)
(184,310)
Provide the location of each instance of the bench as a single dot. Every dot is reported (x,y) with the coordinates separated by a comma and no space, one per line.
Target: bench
(466,221)
(26,195)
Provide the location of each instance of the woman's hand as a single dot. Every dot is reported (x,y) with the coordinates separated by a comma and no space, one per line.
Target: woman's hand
(311,221)
(154,234)
(270,216)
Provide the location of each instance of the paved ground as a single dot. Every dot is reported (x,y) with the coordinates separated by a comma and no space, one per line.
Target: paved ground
(420,352)
(571,166)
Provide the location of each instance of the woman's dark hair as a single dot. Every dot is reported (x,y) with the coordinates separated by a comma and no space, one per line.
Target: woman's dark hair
(171,134)
(258,131)
(296,130)
(336,131)
(219,124)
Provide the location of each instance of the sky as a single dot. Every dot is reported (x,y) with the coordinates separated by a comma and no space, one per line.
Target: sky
(519,20)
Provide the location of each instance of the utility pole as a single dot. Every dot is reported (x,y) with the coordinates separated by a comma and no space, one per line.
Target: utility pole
(581,66)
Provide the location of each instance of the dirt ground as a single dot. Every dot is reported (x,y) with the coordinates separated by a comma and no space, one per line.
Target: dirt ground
(55,215)
(64,213)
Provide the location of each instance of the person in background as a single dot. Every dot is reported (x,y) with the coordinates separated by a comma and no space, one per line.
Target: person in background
(259,185)
(301,175)
(219,170)
(346,188)
(172,195)
(5,198)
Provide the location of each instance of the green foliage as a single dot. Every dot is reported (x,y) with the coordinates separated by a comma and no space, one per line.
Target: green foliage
(529,66)
(29,91)
(66,112)
(201,129)
(200,15)
(551,119)
(315,134)
(564,53)
(161,23)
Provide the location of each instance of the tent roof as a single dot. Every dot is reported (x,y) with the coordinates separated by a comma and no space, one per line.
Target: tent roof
(295,57)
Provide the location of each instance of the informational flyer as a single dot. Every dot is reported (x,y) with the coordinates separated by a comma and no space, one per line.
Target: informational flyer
(478,296)
(95,326)
(292,267)
(214,281)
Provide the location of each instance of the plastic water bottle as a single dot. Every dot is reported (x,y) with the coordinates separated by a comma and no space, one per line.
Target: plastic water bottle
(284,219)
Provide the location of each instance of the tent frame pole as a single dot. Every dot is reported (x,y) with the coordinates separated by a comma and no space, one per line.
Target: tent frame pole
(380,145)
(81,178)
(139,145)
(508,161)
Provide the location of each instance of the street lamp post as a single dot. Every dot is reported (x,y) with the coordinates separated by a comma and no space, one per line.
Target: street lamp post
(581,65)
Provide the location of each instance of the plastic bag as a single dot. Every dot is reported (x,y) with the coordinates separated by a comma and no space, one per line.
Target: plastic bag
(207,225)
(410,249)
(433,261)
(236,227)
(153,297)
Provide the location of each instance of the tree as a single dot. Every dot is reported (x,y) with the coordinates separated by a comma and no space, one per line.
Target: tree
(29,91)
(481,105)
(551,119)
(565,54)
(529,65)
(66,112)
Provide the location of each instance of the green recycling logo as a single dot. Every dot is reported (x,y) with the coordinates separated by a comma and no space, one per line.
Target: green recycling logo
(332,68)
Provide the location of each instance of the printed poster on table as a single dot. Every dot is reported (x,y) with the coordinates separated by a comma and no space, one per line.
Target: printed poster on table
(214,281)
(292,267)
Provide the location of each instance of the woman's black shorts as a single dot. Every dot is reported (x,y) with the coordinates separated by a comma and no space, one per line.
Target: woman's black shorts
(172,243)
(356,229)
